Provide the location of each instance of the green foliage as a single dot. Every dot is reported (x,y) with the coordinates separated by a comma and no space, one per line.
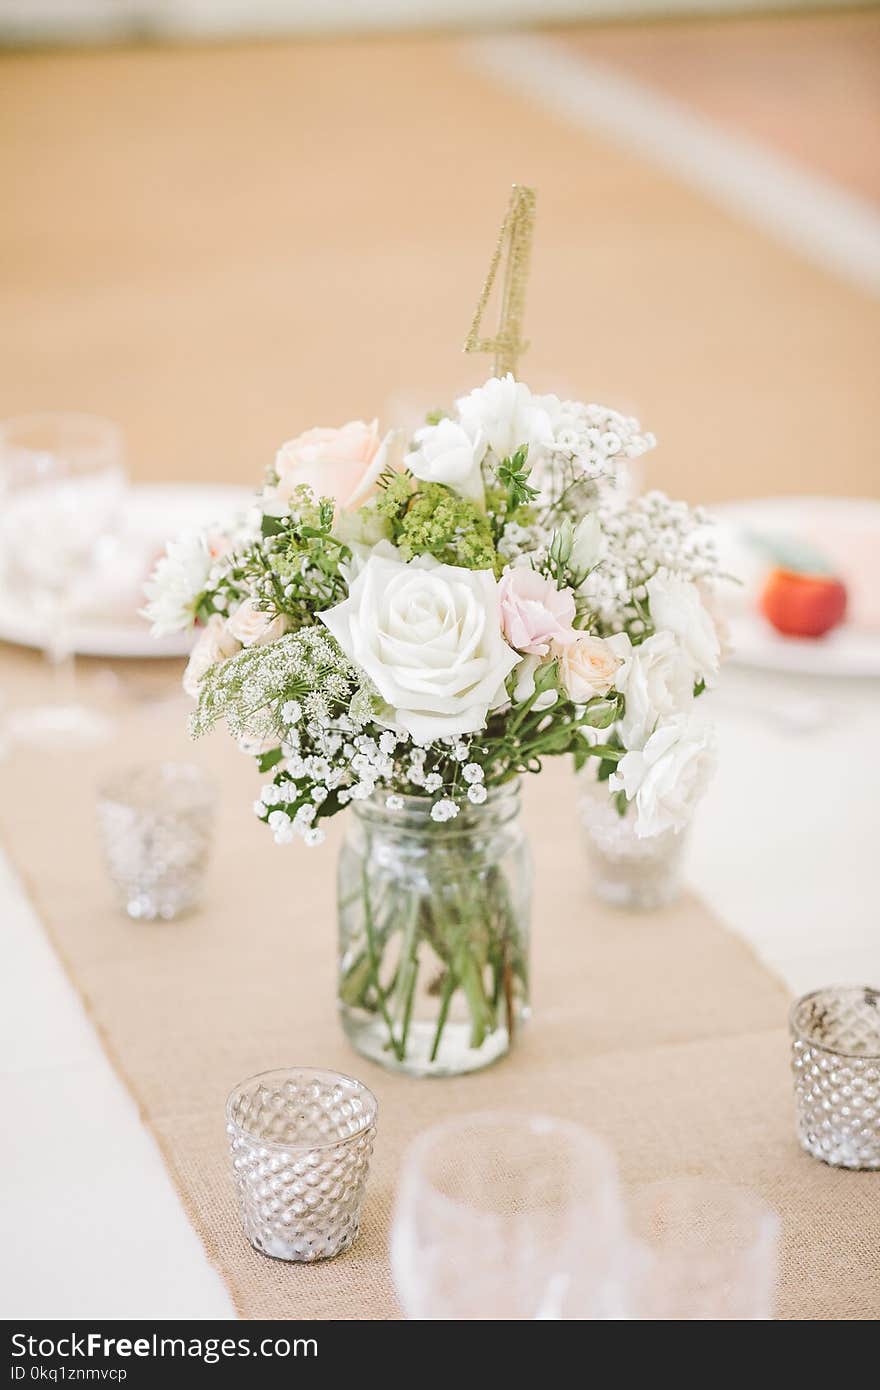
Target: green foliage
(513,476)
(296,570)
(429,518)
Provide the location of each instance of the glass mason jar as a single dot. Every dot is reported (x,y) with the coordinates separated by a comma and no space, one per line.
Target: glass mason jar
(626,871)
(434,933)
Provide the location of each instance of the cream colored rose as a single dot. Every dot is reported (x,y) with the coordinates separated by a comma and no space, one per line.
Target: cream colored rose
(252,627)
(587,668)
(341,463)
(215,644)
(429,637)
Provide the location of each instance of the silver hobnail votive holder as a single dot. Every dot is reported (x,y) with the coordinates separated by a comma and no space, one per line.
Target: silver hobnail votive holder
(156,825)
(640,875)
(836,1063)
(300,1140)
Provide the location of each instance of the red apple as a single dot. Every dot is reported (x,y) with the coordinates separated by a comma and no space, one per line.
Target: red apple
(803,605)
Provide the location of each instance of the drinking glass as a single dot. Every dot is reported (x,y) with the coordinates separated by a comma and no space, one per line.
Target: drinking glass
(508,1217)
(703,1251)
(61,483)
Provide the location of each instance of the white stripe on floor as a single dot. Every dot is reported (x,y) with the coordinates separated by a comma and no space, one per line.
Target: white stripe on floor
(808,213)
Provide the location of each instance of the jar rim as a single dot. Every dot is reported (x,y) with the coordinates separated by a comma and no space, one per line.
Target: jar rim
(802,1034)
(416,809)
(371,1107)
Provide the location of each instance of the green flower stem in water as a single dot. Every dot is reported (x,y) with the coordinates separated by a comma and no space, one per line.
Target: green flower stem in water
(457,913)
(374,966)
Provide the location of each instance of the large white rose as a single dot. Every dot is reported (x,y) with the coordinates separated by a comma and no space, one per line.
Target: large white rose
(447,454)
(676,607)
(429,637)
(668,776)
(656,680)
(505,414)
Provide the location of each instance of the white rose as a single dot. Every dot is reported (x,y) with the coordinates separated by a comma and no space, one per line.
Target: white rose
(668,776)
(429,637)
(656,680)
(587,668)
(505,414)
(215,644)
(252,627)
(676,607)
(447,454)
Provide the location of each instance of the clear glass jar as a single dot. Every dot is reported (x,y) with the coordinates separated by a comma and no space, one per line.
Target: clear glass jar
(627,872)
(434,933)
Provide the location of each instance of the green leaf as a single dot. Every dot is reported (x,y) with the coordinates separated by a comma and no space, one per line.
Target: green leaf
(265,761)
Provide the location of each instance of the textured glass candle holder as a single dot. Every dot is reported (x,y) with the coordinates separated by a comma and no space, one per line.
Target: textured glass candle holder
(836,1063)
(628,872)
(300,1142)
(156,824)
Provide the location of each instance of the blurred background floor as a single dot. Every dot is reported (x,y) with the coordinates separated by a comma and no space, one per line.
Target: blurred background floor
(219,245)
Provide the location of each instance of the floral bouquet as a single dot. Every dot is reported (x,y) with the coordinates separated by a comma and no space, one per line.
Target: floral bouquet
(407,626)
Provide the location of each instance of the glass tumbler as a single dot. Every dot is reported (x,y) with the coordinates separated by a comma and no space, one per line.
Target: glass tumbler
(508,1217)
(156,824)
(703,1251)
(835,1058)
(300,1141)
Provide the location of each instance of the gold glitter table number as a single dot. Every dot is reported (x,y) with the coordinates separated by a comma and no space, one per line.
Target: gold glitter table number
(515,243)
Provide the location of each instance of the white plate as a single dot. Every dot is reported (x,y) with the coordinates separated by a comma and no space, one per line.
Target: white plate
(847,531)
(112,627)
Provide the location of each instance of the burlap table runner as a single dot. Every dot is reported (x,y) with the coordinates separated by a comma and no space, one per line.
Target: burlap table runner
(662,1033)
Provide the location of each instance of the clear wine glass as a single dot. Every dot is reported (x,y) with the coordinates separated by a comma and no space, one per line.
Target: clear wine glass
(703,1251)
(508,1217)
(61,482)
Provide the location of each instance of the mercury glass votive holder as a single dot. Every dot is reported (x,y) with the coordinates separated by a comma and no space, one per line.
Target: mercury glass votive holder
(156,824)
(300,1140)
(640,875)
(836,1063)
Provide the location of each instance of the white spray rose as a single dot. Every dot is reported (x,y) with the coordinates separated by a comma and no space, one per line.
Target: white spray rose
(504,414)
(215,644)
(676,607)
(447,454)
(656,680)
(429,637)
(668,776)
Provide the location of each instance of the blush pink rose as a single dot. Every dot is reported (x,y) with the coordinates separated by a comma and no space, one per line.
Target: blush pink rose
(341,463)
(534,613)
